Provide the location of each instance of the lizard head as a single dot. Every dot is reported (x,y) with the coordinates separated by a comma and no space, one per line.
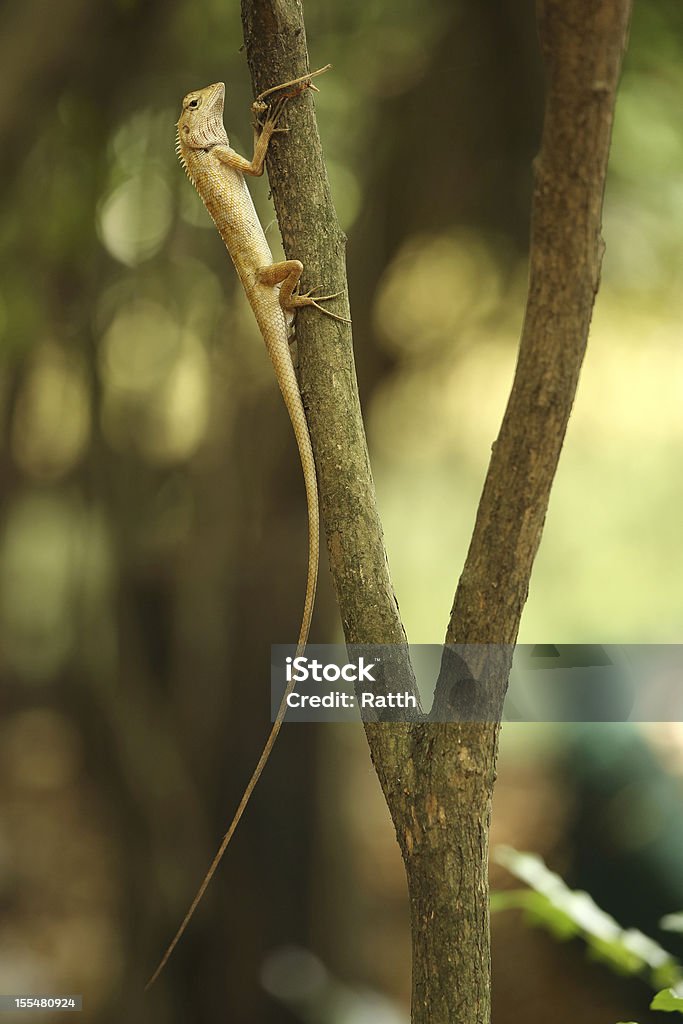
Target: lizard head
(200,125)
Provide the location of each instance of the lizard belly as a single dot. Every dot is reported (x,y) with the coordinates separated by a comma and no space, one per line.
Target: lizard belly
(232,210)
(225,195)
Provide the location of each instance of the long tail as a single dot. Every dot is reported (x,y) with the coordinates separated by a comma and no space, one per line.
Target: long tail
(292,397)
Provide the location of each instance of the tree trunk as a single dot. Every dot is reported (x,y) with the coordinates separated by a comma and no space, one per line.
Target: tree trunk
(437,776)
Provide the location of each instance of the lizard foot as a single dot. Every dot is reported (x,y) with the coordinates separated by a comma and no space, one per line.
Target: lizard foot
(272,111)
(307,299)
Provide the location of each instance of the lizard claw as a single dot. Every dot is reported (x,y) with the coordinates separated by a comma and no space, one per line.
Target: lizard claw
(318,298)
(328,312)
(276,110)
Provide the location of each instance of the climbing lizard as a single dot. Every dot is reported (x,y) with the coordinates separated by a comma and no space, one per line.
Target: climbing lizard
(217,172)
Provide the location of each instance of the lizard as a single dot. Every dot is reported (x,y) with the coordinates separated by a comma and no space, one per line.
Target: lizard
(218,174)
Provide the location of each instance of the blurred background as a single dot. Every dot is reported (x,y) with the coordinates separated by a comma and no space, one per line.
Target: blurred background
(152,532)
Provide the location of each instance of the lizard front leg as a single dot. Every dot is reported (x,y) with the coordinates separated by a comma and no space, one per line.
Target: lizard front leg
(262,136)
(255,166)
(287,274)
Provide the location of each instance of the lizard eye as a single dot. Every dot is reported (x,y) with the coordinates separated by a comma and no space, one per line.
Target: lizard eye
(193,104)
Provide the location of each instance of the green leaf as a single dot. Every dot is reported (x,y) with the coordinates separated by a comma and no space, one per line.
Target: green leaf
(672,923)
(667,1000)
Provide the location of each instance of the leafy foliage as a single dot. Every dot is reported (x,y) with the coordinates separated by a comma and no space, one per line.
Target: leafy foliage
(567,913)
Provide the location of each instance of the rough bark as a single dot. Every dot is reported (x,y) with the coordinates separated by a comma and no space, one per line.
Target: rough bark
(438,777)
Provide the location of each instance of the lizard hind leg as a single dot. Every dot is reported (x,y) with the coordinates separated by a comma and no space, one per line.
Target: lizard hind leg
(287,274)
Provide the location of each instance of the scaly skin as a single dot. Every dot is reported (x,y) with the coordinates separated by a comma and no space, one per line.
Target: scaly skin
(217,172)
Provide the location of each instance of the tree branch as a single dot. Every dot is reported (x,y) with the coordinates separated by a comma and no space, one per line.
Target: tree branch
(447,822)
(582,44)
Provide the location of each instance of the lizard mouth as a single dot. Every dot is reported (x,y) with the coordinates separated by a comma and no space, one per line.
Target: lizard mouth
(216,95)
(214,113)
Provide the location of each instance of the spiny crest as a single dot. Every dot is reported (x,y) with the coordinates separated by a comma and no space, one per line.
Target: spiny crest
(179,154)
